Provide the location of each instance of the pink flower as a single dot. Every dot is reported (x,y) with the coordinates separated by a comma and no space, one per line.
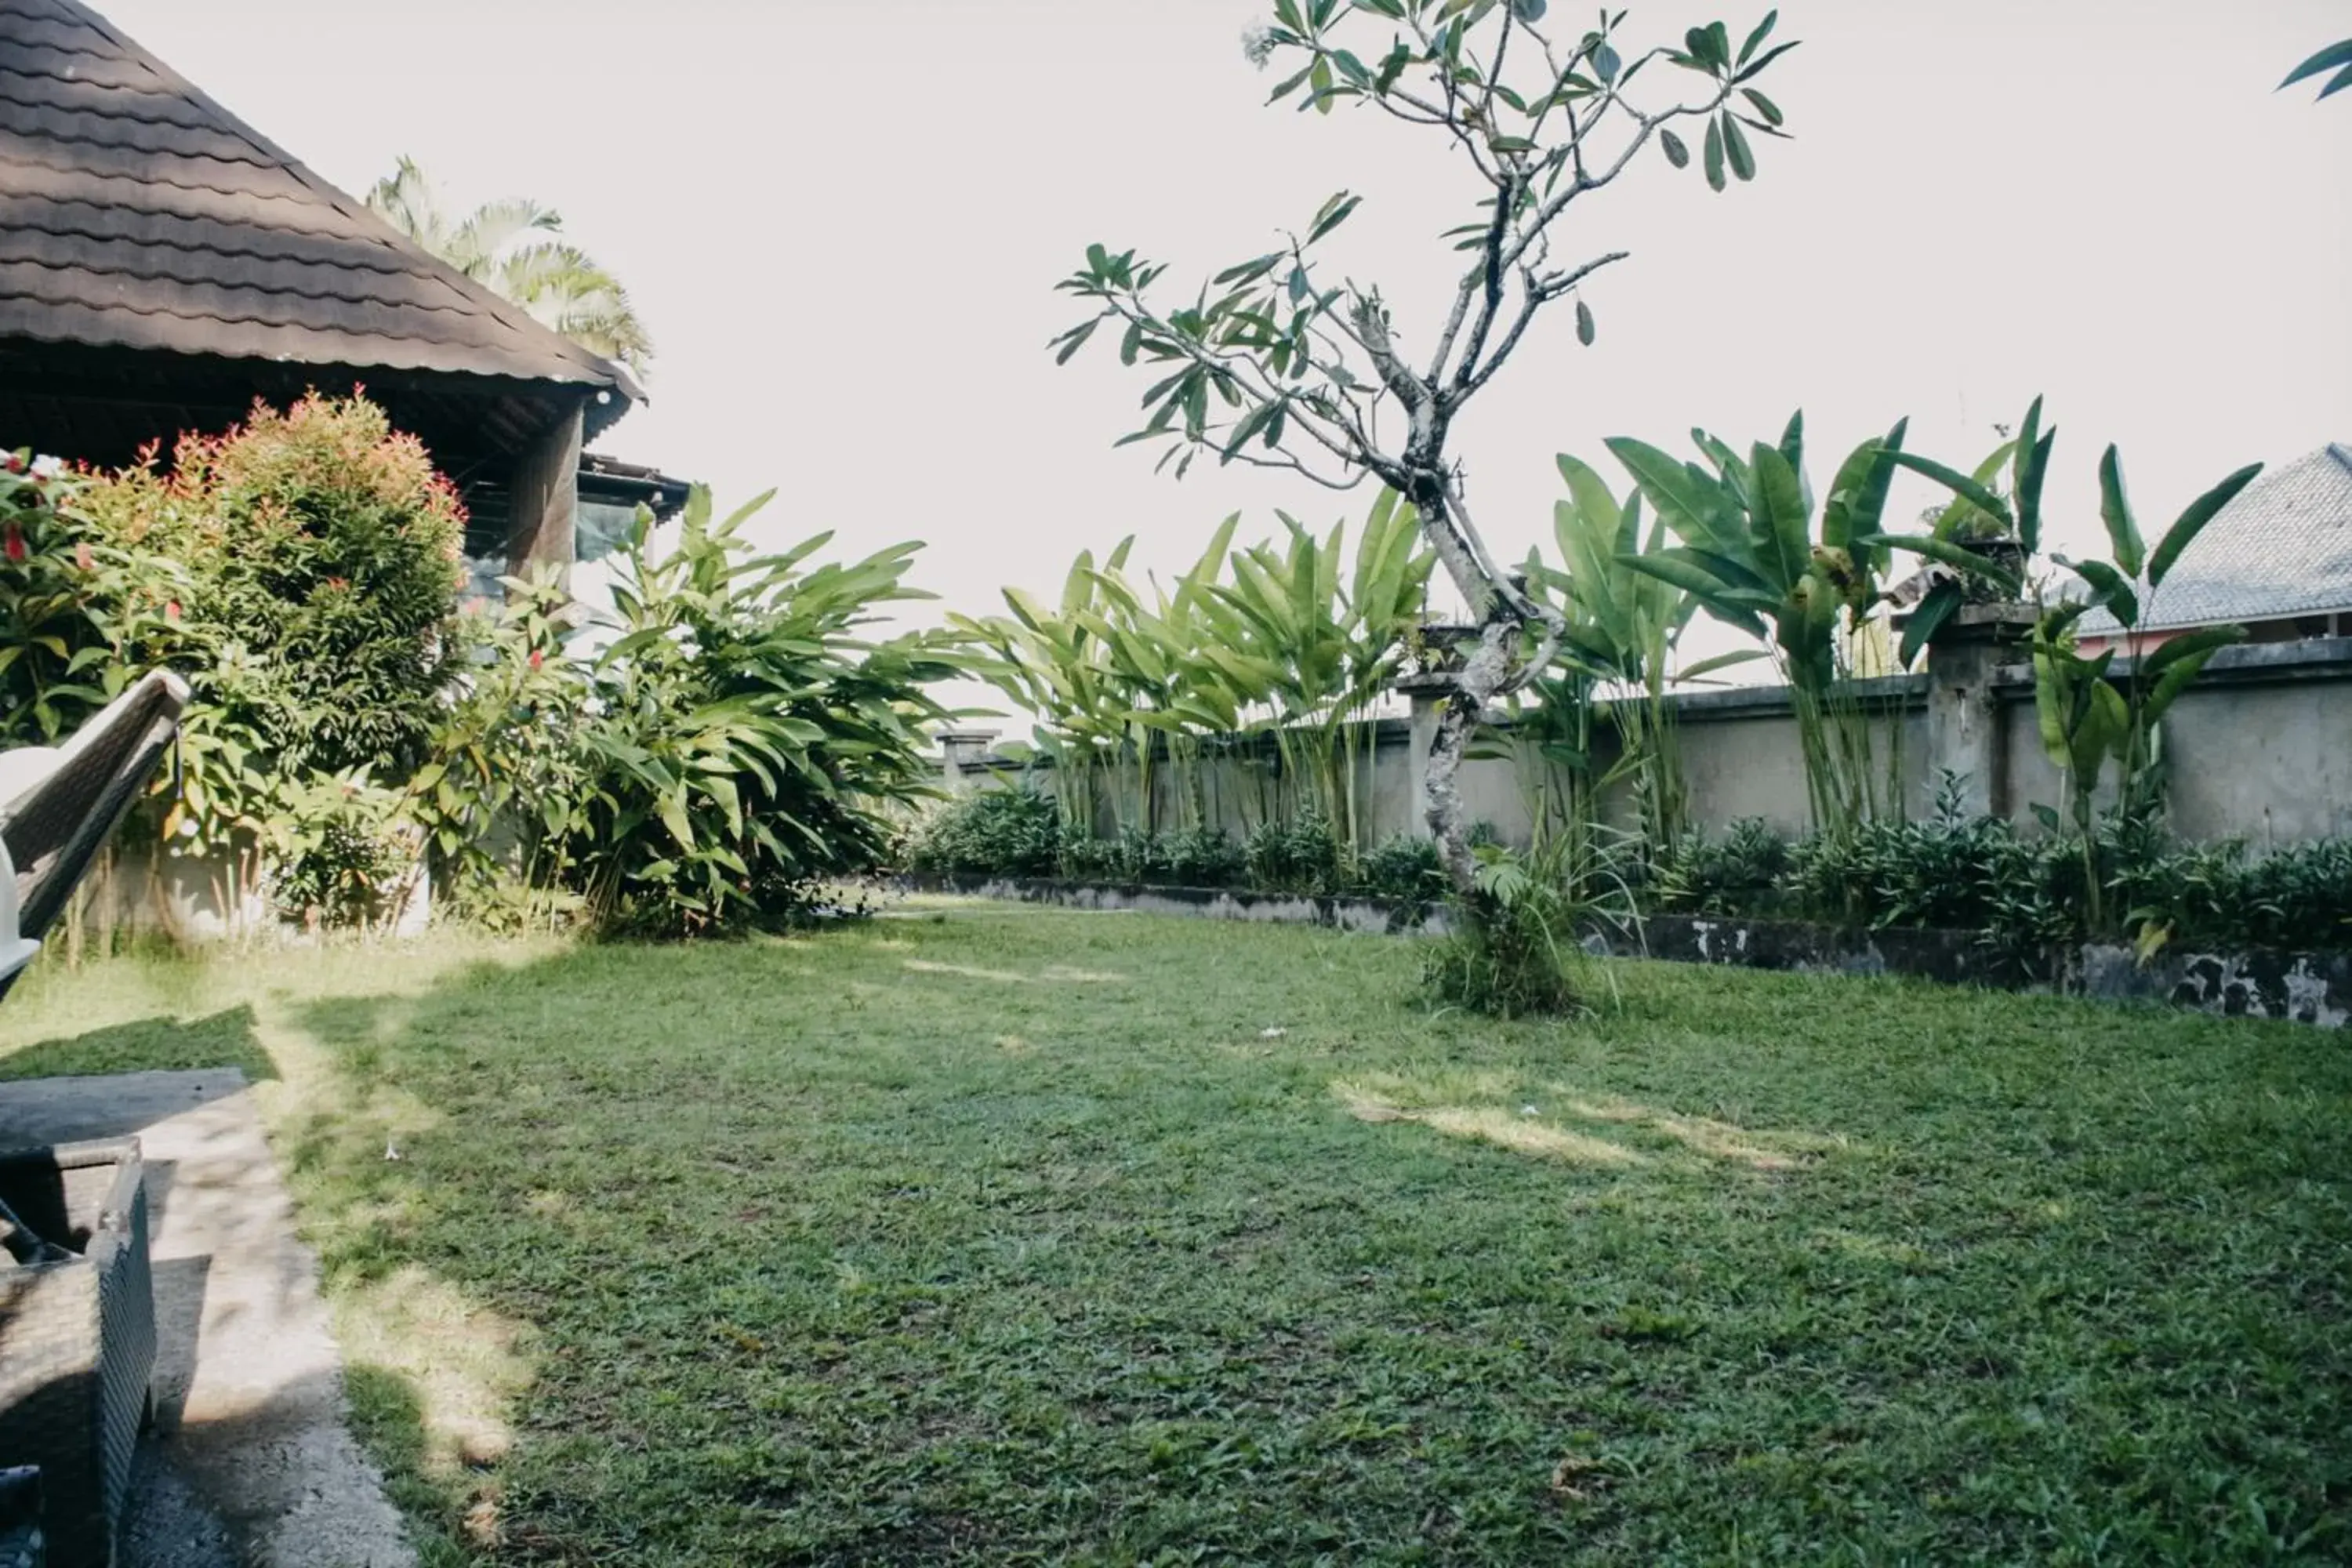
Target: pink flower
(13,544)
(536,658)
(172,611)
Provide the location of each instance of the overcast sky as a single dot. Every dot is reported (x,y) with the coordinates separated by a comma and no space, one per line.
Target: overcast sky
(843,220)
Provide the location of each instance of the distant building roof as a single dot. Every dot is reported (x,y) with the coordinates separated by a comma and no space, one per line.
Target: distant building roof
(2282,548)
(136,214)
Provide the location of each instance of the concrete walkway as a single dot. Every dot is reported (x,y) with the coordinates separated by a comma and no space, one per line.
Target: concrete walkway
(251,1463)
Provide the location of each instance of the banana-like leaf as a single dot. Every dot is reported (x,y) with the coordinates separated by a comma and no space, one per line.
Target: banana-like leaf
(2191,522)
(2205,640)
(2114,510)
(1858,495)
(1932,611)
(2114,592)
(1965,485)
(1686,497)
(1782,526)
(2032,465)
(1950,554)
(1701,669)
(1717,598)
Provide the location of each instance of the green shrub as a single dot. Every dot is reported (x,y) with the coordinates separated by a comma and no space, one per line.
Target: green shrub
(747,744)
(1405,868)
(345,859)
(321,551)
(76,609)
(1737,874)
(1513,951)
(1299,855)
(1199,858)
(1012,832)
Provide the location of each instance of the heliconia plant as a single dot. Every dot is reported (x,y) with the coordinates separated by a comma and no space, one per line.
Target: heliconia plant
(2088,715)
(1294,641)
(1760,556)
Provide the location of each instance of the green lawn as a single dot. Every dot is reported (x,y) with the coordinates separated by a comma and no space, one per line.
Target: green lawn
(1011,1235)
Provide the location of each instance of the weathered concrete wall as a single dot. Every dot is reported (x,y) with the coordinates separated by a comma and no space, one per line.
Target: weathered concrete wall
(2260,749)
(197,900)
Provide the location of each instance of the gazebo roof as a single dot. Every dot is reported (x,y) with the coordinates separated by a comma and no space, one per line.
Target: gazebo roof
(137,216)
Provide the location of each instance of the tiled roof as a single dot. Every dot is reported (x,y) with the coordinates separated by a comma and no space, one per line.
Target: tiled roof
(2282,548)
(136,212)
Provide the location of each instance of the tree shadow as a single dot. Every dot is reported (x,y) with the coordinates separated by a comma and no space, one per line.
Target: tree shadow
(160,1043)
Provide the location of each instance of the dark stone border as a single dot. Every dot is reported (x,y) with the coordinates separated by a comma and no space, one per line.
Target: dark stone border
(1376,916)
(2313,988)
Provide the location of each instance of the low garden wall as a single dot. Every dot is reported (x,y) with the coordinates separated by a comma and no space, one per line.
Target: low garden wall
(2314,988)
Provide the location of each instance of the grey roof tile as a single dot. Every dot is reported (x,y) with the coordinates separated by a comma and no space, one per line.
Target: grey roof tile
(137,213)
(2282,548)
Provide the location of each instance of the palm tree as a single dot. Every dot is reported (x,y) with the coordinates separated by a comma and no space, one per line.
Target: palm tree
(513,248)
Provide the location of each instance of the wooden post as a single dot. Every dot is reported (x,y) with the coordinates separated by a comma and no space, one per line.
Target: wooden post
(546,491)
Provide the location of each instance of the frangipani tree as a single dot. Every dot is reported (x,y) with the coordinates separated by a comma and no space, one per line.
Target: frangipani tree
(1279,363)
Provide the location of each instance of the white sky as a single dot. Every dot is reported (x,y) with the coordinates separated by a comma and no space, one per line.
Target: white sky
(843,218)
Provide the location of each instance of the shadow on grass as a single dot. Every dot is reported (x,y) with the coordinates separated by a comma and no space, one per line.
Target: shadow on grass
(387,1416)
(226,1038)
(772,1228)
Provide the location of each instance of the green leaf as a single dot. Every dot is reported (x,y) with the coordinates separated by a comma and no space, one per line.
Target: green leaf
(672,811)
(1703,667)
(1932,611)
(1763,31)
(1959,484)
(1764,59)
(1584,324)
(1780,503)
(1334,212)
(1735,146)
(2204,640)
(2191,522)
(2112,591)
(1715,155)
(1857,497)
(1319,77)
(2029,465)
(2114,510)
(1763,105)
(2328,58)
(1249,271)
(1249,425)
(1291,84)
(1950,554)
(1075,340)
(1676,152)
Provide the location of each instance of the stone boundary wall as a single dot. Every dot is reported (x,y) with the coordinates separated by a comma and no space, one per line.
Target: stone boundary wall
(2260,749)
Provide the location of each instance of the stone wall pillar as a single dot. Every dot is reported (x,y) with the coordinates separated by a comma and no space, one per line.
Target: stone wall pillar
(960,750)
(1964,721)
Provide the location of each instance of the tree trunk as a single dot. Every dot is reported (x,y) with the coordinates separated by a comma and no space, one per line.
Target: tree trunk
(1492,668)
(1485,672)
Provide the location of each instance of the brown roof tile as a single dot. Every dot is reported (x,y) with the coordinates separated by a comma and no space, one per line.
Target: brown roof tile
(137,213)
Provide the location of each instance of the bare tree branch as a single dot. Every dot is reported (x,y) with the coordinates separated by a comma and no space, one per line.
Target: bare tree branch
(1538,292)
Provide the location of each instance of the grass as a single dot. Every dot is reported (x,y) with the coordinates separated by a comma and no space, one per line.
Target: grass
(1017,1236)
